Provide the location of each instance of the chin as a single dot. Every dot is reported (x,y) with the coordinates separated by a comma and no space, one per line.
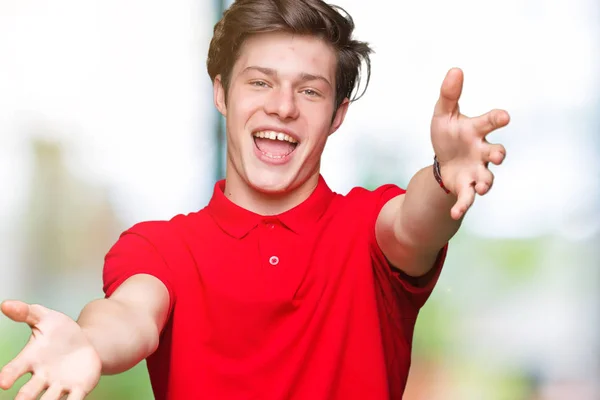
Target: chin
(270,181)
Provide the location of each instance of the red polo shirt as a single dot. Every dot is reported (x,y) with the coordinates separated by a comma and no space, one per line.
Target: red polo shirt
(302,305)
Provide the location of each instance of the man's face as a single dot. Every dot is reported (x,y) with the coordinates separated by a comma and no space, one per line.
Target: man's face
(279,110)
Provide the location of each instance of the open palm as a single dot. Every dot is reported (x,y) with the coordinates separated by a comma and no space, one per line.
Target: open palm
(58,355)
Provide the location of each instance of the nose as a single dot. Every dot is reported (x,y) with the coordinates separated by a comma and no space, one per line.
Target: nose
(282,103)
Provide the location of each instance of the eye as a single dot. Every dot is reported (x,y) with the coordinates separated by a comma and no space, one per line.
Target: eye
(311,93)
(259,84)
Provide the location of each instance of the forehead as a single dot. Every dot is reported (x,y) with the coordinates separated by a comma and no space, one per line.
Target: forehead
(288,54)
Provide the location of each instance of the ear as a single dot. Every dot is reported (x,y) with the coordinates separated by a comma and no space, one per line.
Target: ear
(219,95)
(340,114)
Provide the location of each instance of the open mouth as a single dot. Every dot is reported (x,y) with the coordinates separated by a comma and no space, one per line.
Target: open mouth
(274,145)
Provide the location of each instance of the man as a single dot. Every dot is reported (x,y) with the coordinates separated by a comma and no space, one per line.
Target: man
(279,288)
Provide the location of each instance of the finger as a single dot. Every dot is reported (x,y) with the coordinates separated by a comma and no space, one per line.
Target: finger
(494,153)
(23,312)
(76,394)
(466,197)
(450,93)
(54,392)
(485,180)
(15,369)
(489,122)
(32,389)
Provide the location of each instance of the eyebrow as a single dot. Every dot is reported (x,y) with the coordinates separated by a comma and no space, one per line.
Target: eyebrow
(304,77)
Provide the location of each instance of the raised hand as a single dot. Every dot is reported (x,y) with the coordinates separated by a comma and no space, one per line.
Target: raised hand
(461,146)
(58,355)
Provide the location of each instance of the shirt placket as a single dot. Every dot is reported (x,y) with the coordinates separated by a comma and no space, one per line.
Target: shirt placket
(269,248)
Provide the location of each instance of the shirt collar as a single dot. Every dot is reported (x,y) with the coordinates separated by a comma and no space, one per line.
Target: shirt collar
(238,222)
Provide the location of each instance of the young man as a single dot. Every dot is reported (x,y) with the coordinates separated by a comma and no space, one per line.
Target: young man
(279,288)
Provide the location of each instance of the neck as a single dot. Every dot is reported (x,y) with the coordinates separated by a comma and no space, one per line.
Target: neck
(241,194)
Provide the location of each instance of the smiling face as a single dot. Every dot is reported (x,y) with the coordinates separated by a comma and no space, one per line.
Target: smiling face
(279,110)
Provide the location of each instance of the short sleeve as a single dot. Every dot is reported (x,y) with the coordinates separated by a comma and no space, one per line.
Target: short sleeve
(134,254)
(418,290)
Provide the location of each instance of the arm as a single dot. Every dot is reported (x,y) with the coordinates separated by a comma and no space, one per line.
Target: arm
(411,229)
(134,316)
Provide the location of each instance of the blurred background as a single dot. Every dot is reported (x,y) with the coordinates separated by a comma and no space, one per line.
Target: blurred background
(106,119)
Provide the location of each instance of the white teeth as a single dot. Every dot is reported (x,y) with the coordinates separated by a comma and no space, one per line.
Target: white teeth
(275,136)
(271,155)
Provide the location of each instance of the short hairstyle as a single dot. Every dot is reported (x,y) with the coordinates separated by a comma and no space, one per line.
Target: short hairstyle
(330,23)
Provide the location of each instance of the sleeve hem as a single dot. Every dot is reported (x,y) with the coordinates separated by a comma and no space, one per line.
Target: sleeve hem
(432,275)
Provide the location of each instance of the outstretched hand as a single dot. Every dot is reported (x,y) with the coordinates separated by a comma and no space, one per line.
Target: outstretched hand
(461,146)
(58,355)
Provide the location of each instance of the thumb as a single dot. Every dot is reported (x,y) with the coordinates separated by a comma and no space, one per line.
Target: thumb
(450,93)
(19,311)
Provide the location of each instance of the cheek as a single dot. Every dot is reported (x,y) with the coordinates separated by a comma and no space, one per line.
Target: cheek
(320,121)
(320,134)
(245,107)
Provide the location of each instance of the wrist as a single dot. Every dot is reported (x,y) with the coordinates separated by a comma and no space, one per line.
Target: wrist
(91,336)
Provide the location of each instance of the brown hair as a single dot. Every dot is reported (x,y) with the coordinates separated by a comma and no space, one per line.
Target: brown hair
(304,17)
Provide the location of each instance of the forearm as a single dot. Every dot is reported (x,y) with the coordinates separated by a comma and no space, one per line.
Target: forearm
(121,337)
(424,220)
